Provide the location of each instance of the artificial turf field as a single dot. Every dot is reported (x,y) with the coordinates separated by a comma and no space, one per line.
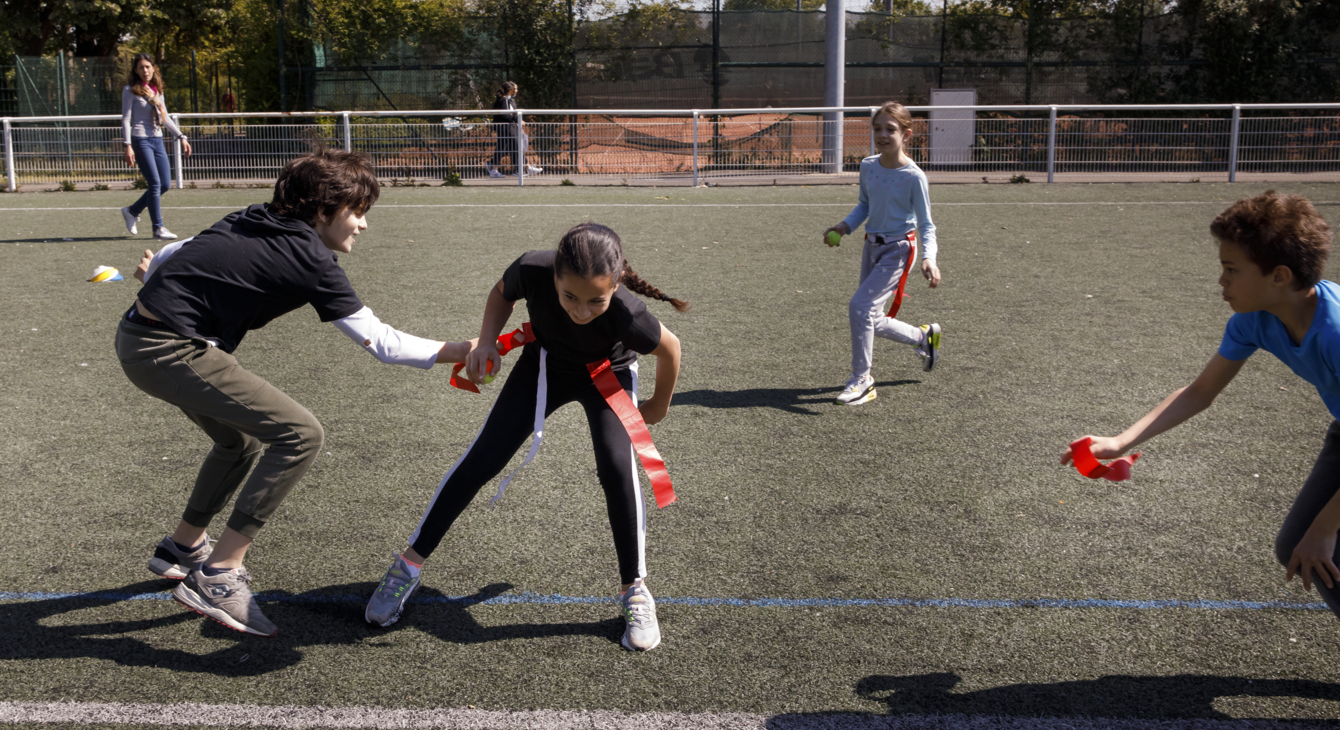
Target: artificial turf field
(1067,309)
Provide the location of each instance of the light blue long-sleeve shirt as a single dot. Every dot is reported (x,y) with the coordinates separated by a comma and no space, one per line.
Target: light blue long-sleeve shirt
(893,202)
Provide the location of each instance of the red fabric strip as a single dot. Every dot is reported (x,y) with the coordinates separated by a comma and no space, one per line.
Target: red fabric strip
(506,343)
(902,282)
(603,376)
(1091,467)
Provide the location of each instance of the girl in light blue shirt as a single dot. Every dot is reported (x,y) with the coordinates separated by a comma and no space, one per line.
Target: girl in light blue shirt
(895,206)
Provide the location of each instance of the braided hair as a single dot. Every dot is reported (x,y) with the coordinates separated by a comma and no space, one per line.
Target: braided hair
(590,250)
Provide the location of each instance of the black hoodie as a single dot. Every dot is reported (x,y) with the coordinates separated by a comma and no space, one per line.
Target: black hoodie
(244,271)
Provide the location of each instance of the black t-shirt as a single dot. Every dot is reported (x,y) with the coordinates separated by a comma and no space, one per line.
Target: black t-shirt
(244,271)
(624,330)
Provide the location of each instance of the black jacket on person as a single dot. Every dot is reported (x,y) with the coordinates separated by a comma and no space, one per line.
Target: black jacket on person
(504,124)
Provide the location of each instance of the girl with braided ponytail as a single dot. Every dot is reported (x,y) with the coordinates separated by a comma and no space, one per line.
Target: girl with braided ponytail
(581,314)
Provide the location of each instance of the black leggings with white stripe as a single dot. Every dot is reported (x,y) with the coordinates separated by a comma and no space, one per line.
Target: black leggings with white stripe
(509,423)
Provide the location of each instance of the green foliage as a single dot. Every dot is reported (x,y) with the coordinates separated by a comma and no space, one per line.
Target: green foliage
(101,186)
(139,183)
(1017,179)
(67,186)
(452,180)
(537,36)
(567,183)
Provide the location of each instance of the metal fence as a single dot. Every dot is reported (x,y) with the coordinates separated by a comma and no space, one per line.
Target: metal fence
(696,146)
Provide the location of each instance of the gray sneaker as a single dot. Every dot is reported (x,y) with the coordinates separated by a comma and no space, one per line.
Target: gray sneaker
(226,598)
(388,602)
(642,633)
(170,562)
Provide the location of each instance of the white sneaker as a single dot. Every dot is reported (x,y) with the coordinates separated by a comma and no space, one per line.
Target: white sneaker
(533,170)
(639,613)
(130,220)
(163,234)
(493,171)
(929,349)
(859,390)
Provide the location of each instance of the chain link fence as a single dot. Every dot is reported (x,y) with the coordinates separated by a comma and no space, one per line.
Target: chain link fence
(692,147)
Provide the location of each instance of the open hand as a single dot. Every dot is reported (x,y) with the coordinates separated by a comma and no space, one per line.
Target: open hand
(1315,552)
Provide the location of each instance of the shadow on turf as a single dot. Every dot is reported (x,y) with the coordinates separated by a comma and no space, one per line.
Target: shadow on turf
(325,617)
(1183,696)
(50,239)
(791,400)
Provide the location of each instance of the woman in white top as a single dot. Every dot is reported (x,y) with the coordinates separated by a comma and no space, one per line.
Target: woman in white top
(143,116)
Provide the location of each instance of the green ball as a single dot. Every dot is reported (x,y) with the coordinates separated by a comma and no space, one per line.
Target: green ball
(489,379)
(834,238)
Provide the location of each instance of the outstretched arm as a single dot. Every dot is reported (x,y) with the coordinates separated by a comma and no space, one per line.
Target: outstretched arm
(667,373)
(1173,411)
(394,347)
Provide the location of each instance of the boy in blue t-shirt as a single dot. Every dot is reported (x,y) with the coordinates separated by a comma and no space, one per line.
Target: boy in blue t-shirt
(1272,249)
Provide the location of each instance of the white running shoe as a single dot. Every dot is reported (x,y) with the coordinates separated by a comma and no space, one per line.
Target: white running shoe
(929,349)
(163,234)
(130,220)
(533,170)
(493,171)
(639,613)
(859,390)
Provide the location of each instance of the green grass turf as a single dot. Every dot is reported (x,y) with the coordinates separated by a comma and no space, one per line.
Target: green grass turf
(946,486)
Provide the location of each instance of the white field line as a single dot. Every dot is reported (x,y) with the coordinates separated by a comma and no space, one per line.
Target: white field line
(690,205)
(376,718)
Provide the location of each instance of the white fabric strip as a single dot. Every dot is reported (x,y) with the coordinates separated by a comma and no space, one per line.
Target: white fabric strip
(386,343)
(641,501)
(541,402)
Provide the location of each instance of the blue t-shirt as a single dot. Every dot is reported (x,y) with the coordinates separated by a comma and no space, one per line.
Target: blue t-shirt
(1316,360)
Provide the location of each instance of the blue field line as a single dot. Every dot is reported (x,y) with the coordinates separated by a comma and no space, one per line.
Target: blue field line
(560,600)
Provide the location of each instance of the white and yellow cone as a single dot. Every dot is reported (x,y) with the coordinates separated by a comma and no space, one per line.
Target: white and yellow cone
(105,273)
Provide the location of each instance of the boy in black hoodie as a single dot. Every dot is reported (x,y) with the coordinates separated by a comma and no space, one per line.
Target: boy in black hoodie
(200,298)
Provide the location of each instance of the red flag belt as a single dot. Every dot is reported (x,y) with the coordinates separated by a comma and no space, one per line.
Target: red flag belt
(602,374)
(1088,465)
(902,282)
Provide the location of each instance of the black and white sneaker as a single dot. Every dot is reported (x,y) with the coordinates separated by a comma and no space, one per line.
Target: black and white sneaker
(170,562)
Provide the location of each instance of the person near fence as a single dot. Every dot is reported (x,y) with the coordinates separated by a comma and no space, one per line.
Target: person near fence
(895,205)
(143,116)
(587,330)
(1272,251)
(511,135)
(176,342)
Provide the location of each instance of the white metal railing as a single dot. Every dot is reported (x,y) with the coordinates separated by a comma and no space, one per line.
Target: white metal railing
(694,145)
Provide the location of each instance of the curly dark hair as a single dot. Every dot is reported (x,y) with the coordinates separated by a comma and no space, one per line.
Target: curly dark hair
(1278,230)
(324,182)
(590,250)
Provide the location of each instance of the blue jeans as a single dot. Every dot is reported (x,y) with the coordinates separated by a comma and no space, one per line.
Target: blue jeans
(151,156)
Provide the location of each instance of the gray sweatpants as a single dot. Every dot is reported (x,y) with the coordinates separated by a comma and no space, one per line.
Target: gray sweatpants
(1320,487)
(881,269)
(241,412)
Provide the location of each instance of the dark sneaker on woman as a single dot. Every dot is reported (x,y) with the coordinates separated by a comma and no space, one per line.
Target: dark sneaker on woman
(226,598)
(170,562)
(388,602)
